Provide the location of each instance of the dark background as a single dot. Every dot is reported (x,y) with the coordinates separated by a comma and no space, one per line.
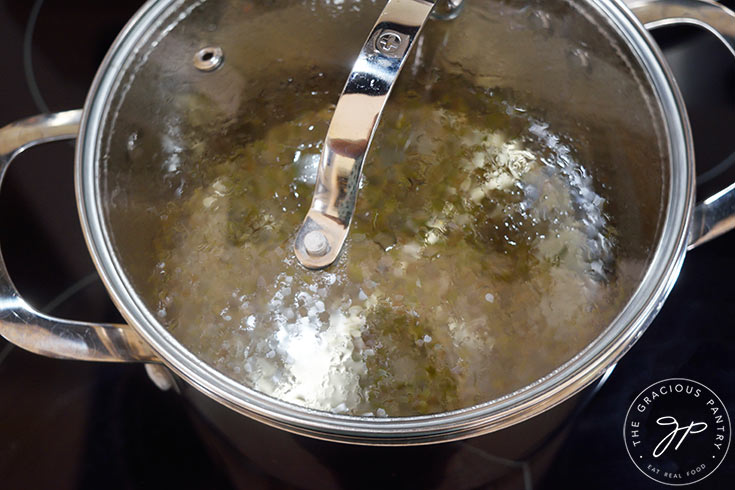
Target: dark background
(74,425)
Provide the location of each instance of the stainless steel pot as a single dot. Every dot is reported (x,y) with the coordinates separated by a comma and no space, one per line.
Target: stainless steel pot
(582,47)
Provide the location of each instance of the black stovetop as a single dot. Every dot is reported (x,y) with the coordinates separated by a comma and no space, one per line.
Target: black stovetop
(75,425)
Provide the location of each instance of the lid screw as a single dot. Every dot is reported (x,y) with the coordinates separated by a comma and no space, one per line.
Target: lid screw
(316,243)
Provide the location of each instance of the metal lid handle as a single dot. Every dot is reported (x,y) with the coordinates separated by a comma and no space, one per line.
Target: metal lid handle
(323,232)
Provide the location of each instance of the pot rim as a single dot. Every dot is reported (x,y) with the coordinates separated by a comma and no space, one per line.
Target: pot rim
(513,408)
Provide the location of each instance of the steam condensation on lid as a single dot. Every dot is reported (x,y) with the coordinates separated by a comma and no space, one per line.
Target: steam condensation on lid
(480,259)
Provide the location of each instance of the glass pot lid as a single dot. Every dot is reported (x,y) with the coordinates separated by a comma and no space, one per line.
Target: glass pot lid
(515,216)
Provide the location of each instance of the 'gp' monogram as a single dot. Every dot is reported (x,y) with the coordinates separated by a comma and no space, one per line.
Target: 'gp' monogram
(693,428)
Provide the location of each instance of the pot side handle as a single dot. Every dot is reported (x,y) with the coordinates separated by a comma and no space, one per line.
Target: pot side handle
(29,329)
(714,215)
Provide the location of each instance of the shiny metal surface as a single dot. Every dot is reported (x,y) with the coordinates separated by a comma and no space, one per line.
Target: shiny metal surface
(715,214)
(19,322)
(512,409)
(709,15)
(161,377)
(492,416)
(352,128)
(209,58)
(713,217)
(447,9)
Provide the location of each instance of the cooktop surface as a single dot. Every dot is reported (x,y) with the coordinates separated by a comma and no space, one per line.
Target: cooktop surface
(76,425)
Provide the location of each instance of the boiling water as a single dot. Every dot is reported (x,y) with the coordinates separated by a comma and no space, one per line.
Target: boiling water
(480,259)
